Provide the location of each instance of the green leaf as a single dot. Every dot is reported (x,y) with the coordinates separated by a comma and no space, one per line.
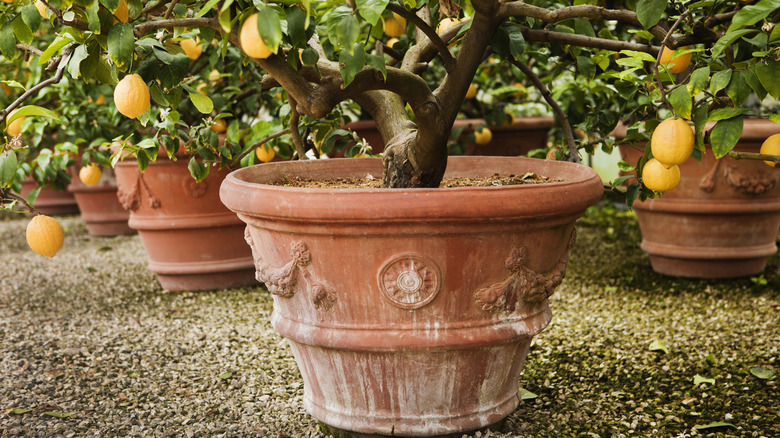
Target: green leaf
(527,395)
(775,118)
(208,7)
(31,110)
(516,40)
(121,42)
(8,165)
(31,16)
(698,380)
(699,80)
(768,73)
(586,67)
(351,63)
(226,375)
(681,102)
(762,373)
(21,30)
(224,17)
(659,346)
(738,89)
(725,113)
(74,65)
(202,102)
(53,48)
(720,80)
(58,414)
(725,135)
(269,24)
(378,63)
(8,41)
(33,195)
(752,14)
(775,34)
(19,411)
(715,425)
(196,170)
(754,82)
(371,10)
(310,56)
(158,95)
(296,27)
(638,55)
(342,26)
(728,39)
(649,12)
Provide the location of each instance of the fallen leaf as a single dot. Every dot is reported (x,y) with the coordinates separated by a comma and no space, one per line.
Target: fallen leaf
(659,346)
(689,400)
(762,373)
(526,394)
(715,425)
(18,411)
(226,375)
(58,414)
(698,380)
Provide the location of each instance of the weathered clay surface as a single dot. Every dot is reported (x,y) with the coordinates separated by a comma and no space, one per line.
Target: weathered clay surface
(51,202)
(405,344)
(193,241)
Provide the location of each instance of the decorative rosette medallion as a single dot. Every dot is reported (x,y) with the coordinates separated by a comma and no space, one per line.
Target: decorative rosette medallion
(410,281)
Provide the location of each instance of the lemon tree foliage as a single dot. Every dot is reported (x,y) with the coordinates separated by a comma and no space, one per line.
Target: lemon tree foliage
(289,73)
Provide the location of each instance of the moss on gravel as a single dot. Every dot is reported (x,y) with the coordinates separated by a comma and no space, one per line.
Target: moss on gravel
(91,334)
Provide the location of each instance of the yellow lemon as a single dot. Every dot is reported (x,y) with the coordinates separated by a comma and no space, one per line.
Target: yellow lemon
(657,176)
(395,25)
(483,136)
(265,153)
(191,48)
(679,63)
(131,96)
(42,9)
(90,175)
(446,23)
(771,146)
(100,100)
(219,126)
(122,13)
(472,92)
(44,235)
(672,142)
(14,128)
(250,39)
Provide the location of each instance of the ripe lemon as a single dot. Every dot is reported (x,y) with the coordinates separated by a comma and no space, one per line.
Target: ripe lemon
(191,48)
(131,96)
(446,23)
(100,100)
(472,92)
(214,76)
(391,42)
(771,146)
(44,235)
(483,136)
(6,89)
(672,142)
(521,90)
(658,177)
(395,25)
(679,63)
(250,39)
(90,175)
(219,126)
(510,121)
(14,128)
(122,13)
(265,153)
(42,9)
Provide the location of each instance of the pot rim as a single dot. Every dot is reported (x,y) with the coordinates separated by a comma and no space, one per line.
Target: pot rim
(579,188)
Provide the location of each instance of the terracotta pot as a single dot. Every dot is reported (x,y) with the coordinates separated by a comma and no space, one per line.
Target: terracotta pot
(100,209)
(722,220)
(51,202)
(193,241)
(526,134)
(410,312)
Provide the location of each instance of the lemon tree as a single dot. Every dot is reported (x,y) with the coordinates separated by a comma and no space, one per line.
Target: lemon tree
(310,63)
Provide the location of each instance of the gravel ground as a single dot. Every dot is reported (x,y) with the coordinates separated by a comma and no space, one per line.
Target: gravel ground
(91,346)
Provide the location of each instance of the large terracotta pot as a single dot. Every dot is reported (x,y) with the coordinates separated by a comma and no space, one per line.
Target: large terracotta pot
(193,241)
(524,135)
(410,312)
(722,220)
(49,201)
(100,209)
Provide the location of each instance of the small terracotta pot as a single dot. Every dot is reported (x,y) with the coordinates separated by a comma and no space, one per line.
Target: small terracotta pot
(51,202)
(101,211)
(524,135)
(411,311)
(193,241)
(722,220)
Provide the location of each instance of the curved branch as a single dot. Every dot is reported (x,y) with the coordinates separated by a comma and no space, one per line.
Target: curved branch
(257,145)
(151,26)
(29,48)
(586,41)
(658,61)
(436,41)
(295,117)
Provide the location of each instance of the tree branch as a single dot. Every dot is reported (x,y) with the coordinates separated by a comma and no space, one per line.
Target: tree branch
(755,156)
(573,155)
(7,194)
(151,26)
(658,61)
(441,46)
(257,145)
(586,41)
(294,133)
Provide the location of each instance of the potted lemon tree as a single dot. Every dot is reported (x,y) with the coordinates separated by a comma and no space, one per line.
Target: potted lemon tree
(409,292)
